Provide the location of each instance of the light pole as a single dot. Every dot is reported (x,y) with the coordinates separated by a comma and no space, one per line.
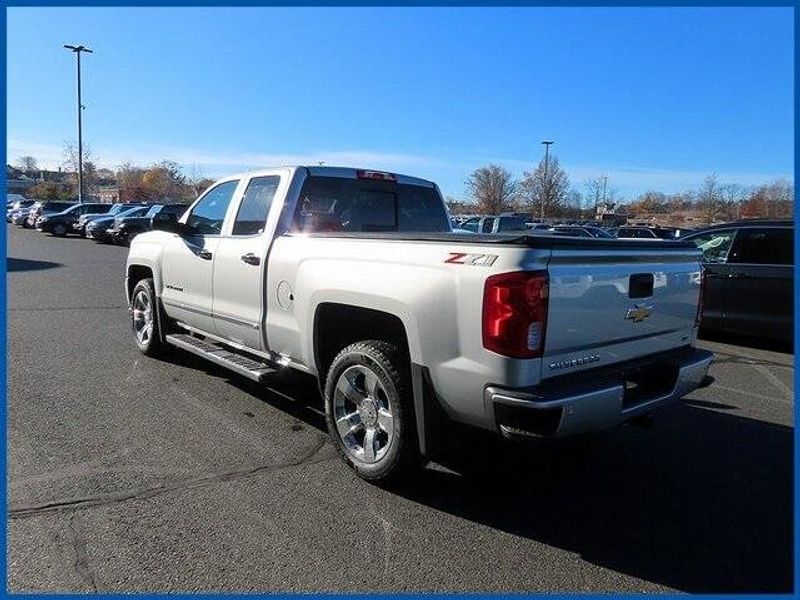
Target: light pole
(77,50)
(546,182)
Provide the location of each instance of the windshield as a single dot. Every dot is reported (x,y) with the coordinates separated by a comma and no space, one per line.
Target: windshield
(133,212)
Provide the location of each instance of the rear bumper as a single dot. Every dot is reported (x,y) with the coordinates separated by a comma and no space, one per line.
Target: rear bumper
(597,403)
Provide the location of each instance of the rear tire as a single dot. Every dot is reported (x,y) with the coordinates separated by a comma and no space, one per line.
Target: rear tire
(369,410)
(144,318)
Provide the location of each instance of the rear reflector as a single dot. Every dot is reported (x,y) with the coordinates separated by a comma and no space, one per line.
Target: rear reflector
(379,175)
(515,313)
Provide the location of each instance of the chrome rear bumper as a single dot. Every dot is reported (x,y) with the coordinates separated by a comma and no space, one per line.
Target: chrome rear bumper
(590,404)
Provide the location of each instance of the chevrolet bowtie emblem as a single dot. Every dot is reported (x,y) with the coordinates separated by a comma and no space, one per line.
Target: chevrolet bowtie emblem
(639,313)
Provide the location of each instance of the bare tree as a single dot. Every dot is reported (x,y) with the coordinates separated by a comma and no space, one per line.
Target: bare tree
(27,164)
(91,179)
(593,191)
(544,193)
(493,188)
(197,180)
(710,199)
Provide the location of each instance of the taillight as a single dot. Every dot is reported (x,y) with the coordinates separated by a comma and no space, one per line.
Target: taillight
(515,313)
(699,315)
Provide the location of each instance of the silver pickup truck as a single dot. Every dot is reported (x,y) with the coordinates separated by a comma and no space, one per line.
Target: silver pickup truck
(356,278)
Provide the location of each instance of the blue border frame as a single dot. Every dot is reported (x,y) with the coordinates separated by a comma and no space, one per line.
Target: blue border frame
(410,3)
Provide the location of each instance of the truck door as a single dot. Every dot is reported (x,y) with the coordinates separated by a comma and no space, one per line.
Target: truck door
(760,281)
(188,260)
(240,264)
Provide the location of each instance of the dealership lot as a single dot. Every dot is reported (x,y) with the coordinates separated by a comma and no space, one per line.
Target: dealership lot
(132,474)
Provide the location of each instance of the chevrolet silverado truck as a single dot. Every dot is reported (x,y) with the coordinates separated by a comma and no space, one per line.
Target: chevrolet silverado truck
(356,278)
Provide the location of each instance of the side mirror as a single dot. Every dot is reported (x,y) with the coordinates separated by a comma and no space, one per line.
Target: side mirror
(167,221)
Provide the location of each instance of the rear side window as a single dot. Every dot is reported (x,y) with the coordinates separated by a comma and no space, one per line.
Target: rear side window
(209,213)
(488,225)
(714,244)
(768,246)
(343,204)
(252,216)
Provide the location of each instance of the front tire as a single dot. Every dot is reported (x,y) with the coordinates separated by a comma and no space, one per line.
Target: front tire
(368,410)
(144,318)
(59,230)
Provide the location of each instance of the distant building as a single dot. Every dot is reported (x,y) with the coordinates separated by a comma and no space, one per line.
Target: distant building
(19,182)
(108,193)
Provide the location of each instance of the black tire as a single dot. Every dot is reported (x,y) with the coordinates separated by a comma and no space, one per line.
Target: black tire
(149,344)
(388,363)
(59,230)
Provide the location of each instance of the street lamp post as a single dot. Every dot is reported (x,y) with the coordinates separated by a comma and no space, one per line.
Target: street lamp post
(77,50)
(546,181)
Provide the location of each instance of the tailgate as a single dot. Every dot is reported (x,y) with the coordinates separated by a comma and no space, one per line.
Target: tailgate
(612,304)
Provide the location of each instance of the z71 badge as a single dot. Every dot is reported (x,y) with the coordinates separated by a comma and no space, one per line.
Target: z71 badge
(473,260)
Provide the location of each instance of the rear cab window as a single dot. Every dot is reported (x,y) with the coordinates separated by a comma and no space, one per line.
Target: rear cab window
(367,205)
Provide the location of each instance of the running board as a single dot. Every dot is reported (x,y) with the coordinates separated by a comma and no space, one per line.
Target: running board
(238,363)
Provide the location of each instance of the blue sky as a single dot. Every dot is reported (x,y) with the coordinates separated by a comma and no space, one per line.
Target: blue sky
(655,98)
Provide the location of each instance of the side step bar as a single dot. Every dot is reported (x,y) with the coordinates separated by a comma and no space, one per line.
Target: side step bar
(238,363)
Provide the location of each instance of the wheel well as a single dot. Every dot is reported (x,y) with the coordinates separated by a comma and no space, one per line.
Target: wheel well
(135,274)
(336,326)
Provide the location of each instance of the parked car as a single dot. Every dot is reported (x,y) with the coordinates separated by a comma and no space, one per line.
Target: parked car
(125,229)
(97,229)
(12,198)
(60,224)
(636,233)
(17,205)
(79,226)
(495,224)
(355,277)
(20,216)
(749,277)
(42,207)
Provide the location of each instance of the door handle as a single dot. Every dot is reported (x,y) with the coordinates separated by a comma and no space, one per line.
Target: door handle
(204,254)
(251,259)
(738,276)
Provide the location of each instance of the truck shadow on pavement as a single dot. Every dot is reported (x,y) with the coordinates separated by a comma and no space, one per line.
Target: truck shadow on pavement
(699,501)
(24,264)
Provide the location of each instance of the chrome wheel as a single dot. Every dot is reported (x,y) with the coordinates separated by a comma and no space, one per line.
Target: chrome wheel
(142,317)
(363,414)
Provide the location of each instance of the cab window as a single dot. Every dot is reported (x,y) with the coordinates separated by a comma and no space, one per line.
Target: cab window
(208,214)
(252,216)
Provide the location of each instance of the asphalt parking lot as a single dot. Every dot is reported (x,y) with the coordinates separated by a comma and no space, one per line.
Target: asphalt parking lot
(132,474)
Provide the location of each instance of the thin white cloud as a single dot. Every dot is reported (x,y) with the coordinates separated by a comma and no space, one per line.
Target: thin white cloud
(450,173)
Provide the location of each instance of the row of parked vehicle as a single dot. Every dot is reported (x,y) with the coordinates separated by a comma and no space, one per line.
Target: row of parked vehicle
(104,223)
(587,229)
